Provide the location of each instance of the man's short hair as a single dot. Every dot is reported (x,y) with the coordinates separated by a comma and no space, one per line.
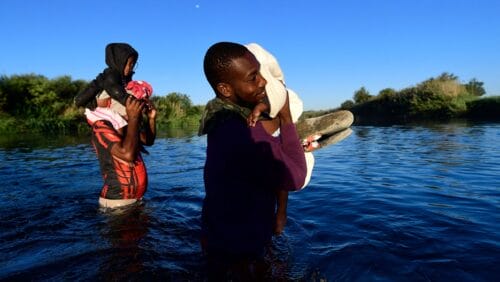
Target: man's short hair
(218,59)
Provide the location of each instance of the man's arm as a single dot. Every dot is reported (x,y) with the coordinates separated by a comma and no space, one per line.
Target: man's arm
(128,147)
(287,163)
(148,136)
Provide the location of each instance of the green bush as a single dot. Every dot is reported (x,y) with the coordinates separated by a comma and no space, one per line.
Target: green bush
(484,108)
(34,103)
(176,110)
(436,98)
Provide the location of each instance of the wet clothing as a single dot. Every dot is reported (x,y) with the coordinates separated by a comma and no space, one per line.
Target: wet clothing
(122,180)
(244,168)
(111,79)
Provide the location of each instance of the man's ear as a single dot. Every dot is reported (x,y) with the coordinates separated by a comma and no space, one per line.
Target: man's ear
(225,89)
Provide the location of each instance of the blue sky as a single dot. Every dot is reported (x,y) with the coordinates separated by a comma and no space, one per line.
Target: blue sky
(327,49)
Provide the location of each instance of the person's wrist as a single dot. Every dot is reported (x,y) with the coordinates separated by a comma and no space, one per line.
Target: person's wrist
(285,120)
(133,118)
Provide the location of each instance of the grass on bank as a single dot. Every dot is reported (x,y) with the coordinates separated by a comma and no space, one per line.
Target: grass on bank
(436,99)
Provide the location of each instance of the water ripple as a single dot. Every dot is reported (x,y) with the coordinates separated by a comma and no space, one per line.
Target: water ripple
(414,203)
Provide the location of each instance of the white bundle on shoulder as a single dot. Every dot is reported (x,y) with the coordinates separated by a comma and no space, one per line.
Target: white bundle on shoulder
(276,88)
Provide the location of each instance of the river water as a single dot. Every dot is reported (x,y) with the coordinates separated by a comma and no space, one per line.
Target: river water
(397,203)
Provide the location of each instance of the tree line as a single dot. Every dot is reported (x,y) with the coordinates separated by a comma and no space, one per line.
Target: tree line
(34,103)
(437,98)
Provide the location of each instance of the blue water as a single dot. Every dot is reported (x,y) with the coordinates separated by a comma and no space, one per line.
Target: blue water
(400,203)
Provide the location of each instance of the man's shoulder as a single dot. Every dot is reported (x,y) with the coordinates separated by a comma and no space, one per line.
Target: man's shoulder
(103,126)
(236,132)
(224,120)
(102,123)
(104,132)
(228,120)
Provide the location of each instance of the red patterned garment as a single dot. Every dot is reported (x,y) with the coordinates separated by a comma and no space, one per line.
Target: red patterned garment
(122,180)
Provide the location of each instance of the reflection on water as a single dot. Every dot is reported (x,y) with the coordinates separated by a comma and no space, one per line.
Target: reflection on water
(27,141)
(405,203)
(124,229)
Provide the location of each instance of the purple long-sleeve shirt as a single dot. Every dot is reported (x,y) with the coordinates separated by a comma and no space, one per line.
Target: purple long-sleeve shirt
(244,168)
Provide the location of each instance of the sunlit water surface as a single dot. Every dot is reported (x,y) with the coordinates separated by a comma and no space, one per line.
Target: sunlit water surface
(400,203)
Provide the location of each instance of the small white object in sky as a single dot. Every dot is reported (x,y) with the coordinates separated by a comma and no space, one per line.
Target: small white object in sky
(197,6)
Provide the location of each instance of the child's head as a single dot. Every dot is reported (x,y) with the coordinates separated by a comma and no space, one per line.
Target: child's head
(233,73)
(121,57)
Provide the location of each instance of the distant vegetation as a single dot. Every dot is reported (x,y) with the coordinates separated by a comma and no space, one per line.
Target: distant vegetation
(439,98)
(34,103)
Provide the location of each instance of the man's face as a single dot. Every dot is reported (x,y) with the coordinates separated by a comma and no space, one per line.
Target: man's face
(247,86)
